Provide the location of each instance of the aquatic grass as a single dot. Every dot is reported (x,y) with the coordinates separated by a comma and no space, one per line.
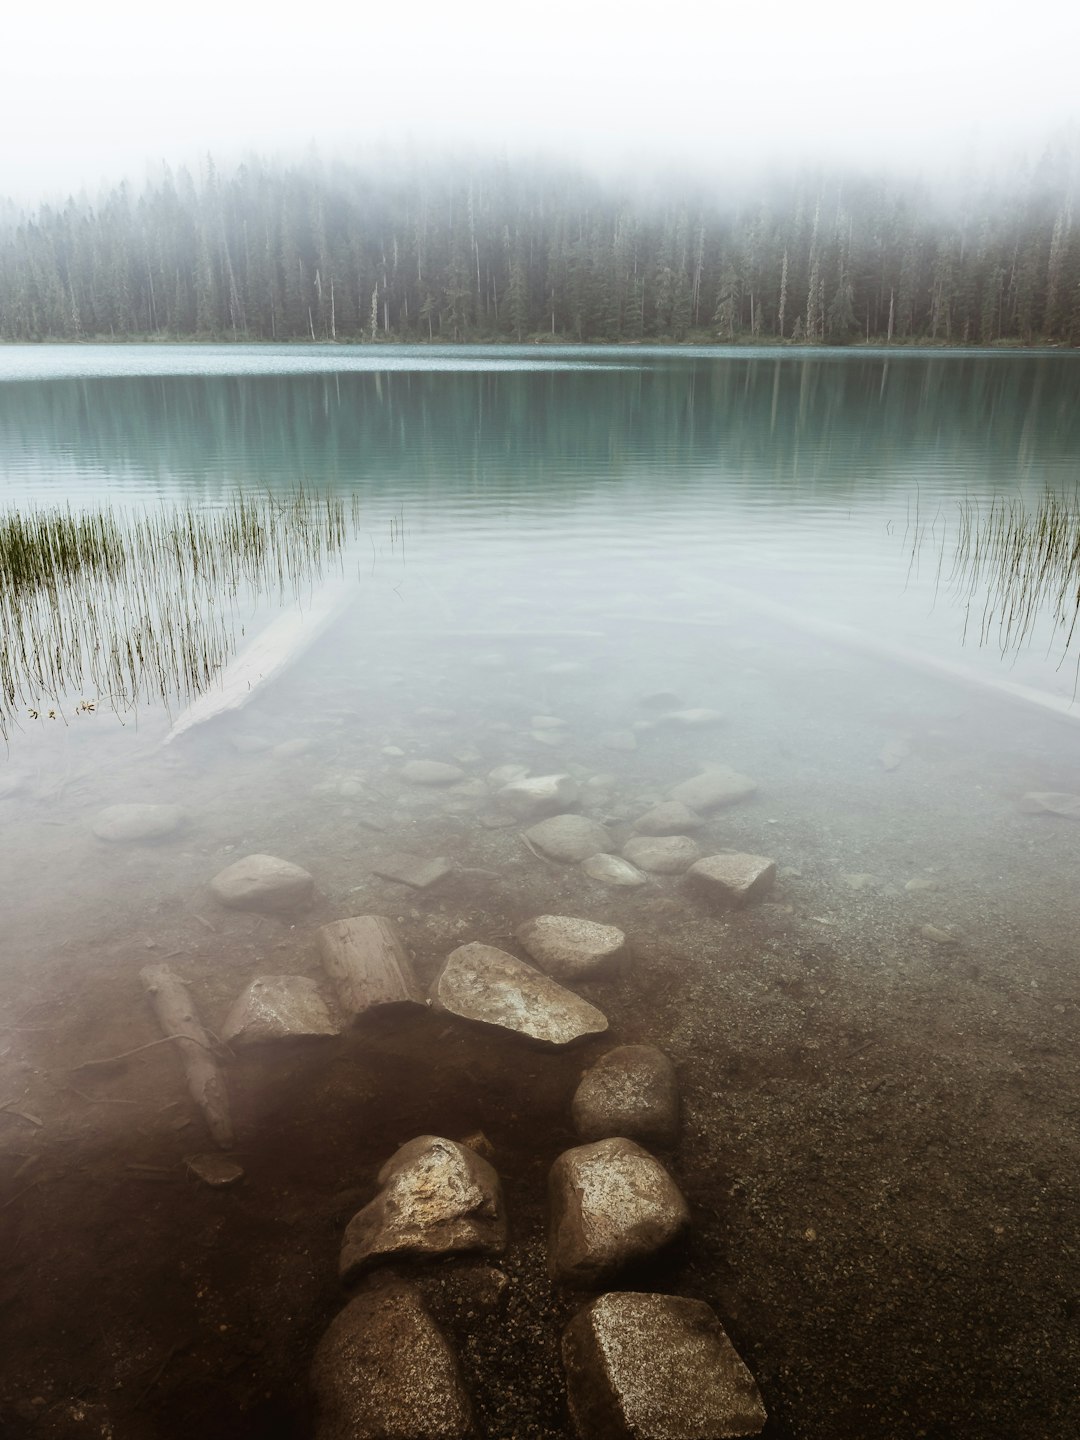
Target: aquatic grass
(148,605)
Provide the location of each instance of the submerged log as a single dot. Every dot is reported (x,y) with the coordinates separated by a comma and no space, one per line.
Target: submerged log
(368,964)
(176,1014)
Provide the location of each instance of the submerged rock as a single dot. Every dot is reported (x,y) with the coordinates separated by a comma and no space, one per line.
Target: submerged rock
(662,854)
(570,838)
(630,1091)
(413,870)
(385,1371)
(1051,802)
(215,1170)
(656,1367)
(713,789)
(480,983)
(611,1203)
(264,883)
(732,880)
(138,822)
(437,1198)
(696,719)
(431,772)
(529,799)
(278,1007)
(571,949)
(613,870)
(368,963)
(671,818)
(619,740)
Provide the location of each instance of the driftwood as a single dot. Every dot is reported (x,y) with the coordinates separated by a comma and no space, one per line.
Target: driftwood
(367,963)
(176,1015)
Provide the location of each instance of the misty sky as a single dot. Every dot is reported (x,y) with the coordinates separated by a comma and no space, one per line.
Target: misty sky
(92,92)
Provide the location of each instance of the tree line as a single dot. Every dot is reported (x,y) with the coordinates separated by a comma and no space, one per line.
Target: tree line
(492,251)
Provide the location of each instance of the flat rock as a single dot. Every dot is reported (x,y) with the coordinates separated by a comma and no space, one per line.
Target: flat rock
(138,822)
(506,775)
(662,700)
(532,797)
(1050,802)
(215,1170)
(732,880)
(367,963)
(656,1367)
(278,1007)
(662,854)
(670,818)
(436,1198)
(263,882)
(570,838)
(713,789)
(611,1203)
(481,983)
(385,1371)
(571,949)
(613,870)
(696,719)
(431,772)
(413,870)
(631,1091)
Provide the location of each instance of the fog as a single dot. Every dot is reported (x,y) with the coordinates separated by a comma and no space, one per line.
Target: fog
(93,94)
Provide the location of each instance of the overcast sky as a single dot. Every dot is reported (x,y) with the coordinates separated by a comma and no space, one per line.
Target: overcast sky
(96,90)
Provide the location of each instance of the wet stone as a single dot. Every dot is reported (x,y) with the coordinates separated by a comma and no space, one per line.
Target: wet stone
(506,775)
(385,1371)
(215,1170)
(670,818)
(1050,802)
(696,719)
(367,963)
(662,854)
(541,795)
(571,949)
(431,772)
(570,838)
(120,823)
(631,1091)
(613,870)
(619,740)
(278,1007)
(713,789)
(662,700)
(486,985)
(436,1198)
(611,1203)
(263,883)
(733,880)
(413,870)
(656,1367)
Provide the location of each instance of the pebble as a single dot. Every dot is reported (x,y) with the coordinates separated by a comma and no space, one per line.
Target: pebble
(631,1091)
(938,935)
(263,883)
(431,772)
(611,1203)
(413,870)
(670,818)
(278,1007)
(571,949)
(713,789)
(656,1367)
(569,838)
(385,1369)
(486,985)
(732,881)
(613,870)
(120,823)
(541,795)
(662,854)
(436,1198)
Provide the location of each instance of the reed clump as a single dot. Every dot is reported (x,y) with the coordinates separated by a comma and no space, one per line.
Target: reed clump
(148,605)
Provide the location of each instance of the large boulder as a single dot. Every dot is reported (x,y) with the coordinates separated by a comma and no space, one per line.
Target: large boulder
(631,1091)
(385,1371)
(656,1367)
(611,1203)
(436,1198)
(571,949)
(263,883)
(570,838)
(486,985)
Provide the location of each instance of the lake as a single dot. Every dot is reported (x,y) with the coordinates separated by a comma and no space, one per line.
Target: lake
(631,567)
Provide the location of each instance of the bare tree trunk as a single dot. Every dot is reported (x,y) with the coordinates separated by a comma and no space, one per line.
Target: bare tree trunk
(176,1016)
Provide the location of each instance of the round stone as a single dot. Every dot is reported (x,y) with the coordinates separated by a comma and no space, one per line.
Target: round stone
(138,822)
(568,948)
(662,854)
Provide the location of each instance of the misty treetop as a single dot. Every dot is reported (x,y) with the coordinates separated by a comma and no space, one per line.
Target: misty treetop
(495,252)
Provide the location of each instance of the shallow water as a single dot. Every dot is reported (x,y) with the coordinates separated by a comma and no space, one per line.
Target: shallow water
(878,1057)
